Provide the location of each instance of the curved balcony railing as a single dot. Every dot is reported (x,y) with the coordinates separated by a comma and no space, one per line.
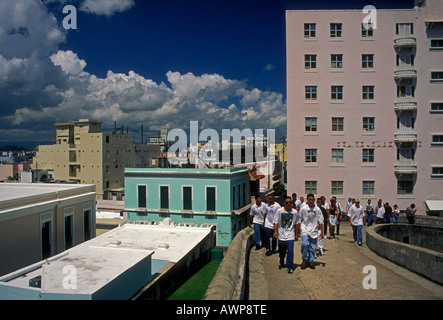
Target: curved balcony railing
(405,41)
(405,136)
(405,104)
(405,73)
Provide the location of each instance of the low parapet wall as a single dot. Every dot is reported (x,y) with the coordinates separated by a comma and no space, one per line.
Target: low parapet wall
(230,280)
(394,242)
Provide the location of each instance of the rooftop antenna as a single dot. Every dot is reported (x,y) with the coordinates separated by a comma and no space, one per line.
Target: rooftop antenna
(142,132)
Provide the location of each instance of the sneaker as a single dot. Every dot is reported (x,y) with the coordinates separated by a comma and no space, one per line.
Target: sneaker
(321,252)
(290,270)
(359,244)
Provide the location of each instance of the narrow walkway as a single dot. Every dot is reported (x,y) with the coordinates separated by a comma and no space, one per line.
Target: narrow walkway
(338,275)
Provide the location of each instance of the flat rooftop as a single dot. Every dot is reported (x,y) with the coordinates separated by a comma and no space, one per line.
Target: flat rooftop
(17,191)
(105,257)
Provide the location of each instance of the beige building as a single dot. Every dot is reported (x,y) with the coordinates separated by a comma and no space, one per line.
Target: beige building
(369,103)
(86,155)
(38,221)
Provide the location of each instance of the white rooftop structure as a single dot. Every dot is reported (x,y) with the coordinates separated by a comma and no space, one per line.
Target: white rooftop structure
(114,265)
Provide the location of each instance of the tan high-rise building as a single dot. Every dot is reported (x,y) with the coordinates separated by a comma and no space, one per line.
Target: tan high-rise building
(368,101)
(86,155)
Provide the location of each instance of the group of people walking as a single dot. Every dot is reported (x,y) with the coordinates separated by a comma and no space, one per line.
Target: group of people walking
(309,220)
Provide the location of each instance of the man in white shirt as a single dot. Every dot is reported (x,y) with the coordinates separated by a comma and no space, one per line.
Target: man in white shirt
(369,211)
(296,202)
(257,216)
(380,211)
(357,220)
(272,208)
(311,221)
(285,223)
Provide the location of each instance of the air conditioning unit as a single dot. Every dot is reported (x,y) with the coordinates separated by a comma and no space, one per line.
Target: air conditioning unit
(36,282)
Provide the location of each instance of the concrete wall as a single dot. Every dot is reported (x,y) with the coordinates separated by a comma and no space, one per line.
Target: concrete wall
(423,261)
(229,283)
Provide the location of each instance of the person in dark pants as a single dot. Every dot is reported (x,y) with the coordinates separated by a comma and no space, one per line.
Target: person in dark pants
(272,208)
(257,218)
(285,222)
(388,212)
(410,213)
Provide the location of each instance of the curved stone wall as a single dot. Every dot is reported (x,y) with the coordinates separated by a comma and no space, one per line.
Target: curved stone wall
(415,247)
(230,280)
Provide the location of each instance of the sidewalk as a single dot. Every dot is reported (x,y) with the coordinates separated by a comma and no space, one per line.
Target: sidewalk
(338,275)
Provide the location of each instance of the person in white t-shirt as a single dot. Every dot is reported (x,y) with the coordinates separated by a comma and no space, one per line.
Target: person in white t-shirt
(272,207)
(257,217)
(311,221)
(296,202)
(285,223)
(380,212)
(357,220)
(395,213)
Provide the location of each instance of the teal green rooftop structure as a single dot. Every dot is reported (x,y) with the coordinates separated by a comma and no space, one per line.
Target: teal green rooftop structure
(219,197)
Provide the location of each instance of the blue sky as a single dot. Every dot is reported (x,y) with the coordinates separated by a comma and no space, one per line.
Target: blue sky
(156,62)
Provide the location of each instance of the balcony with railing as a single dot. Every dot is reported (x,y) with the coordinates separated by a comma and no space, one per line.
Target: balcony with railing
(405,167)
(405,72)
(404,41)
(405,104)
(404,136)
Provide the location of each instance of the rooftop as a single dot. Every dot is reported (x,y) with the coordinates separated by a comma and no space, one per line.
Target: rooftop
(125,251)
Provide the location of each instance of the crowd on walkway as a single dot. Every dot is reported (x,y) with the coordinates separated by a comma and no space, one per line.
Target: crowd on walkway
(280,226)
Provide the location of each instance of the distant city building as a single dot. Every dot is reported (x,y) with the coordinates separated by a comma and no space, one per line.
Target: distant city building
(219,197)
(40,220)
(365,104)
(84,154)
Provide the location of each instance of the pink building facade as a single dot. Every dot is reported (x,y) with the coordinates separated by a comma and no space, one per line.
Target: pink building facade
(365,105)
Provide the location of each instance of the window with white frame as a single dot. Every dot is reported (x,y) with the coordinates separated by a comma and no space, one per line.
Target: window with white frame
(368,123)
(437,139)
(404,29)
(436,76)
(436,106)
(367,61)
(368,155)
(310,155)
(310,187)
(336,187)
(336,30)
(368,92)
(310,61)
(337,155)
(311,92)
(338,124)
(336,61)
(311,124)
(437,171)
(367,30)
(309,30)
(405,187)
(436,44)
(337,92)
(368,187)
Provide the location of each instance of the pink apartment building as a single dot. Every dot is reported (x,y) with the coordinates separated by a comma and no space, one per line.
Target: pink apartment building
(365,105)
